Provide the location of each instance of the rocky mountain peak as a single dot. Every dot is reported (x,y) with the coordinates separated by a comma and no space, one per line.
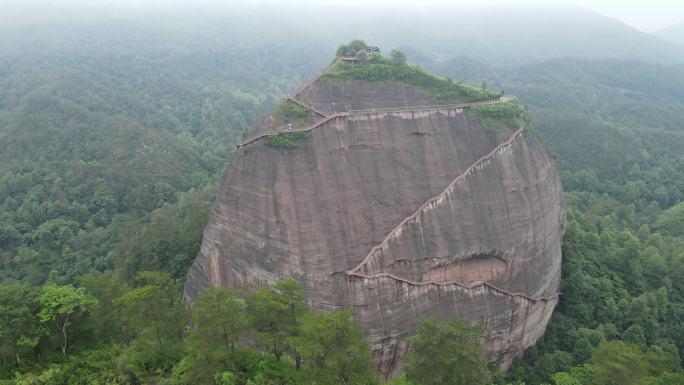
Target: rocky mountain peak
(400,194)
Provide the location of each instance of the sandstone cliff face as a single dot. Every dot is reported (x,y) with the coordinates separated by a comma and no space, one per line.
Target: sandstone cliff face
(399,214)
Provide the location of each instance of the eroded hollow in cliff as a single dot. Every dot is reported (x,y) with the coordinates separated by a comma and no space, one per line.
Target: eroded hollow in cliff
(464,270)
(484,268)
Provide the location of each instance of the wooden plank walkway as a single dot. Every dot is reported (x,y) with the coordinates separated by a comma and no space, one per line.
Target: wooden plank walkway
(327,118)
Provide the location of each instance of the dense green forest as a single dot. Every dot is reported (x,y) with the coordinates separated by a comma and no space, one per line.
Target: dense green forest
(112,148)
(94,143)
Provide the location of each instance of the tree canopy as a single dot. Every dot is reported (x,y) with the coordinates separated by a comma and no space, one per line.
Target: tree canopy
(448,352)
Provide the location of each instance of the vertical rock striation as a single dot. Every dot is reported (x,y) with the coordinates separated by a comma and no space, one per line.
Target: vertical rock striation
(401,212)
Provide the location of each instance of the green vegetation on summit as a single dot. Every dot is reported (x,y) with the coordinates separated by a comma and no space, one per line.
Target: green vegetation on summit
(379,68)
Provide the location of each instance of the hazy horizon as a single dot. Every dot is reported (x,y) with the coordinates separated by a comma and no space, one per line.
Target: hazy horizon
(650,18)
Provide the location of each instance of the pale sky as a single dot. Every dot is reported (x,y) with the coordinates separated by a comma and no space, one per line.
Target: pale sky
(645,15)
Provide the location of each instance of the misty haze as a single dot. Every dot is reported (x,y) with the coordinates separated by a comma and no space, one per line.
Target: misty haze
(341,192)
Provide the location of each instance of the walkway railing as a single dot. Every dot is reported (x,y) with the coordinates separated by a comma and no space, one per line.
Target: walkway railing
(355,272)
(312,80)
(306,105)
(431,107)
(503,99)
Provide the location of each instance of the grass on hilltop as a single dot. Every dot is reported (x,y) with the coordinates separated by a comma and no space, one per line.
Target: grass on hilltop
(380,68)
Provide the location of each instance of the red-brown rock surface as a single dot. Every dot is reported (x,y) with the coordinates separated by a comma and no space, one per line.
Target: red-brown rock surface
(399,215)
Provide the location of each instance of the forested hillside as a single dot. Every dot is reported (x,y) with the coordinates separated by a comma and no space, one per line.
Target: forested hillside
(94,139)
(112,144)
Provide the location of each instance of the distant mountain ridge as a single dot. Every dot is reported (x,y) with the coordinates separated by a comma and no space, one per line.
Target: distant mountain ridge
(674,33)
(502,36)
